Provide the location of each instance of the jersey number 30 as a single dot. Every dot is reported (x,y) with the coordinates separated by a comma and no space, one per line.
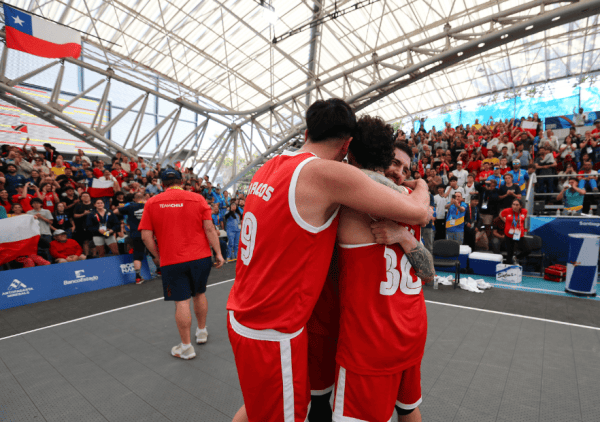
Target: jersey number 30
(395,279)
(248,236)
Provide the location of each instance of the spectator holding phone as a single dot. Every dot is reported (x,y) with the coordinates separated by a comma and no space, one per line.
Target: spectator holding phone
(103,225)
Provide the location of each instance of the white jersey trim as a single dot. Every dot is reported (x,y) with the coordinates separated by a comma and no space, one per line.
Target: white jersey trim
(264,335)
(287,380)
(292,202)
(321,392)
(338,413)
(409,406)
(359,245)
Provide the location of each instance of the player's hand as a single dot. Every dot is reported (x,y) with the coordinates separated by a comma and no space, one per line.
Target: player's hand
(411,184)
(387,232)
(156,261)
(219,261)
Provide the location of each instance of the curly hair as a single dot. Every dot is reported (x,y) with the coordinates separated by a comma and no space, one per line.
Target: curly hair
(373,143)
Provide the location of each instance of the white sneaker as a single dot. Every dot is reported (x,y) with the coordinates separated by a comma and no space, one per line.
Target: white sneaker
(179,352)
(201,335)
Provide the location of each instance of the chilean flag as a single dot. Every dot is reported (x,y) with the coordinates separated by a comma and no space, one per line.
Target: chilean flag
(530,127)
(19,236)
(101,187)
(37,36)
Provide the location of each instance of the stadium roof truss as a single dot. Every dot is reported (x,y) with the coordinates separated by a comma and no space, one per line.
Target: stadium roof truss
(389,58)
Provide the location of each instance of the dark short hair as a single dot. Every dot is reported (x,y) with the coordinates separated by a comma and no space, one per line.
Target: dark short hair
(403,146)
(36,200)
(372,146)
(475,197)
(330,119)
(453,178)
(440,187)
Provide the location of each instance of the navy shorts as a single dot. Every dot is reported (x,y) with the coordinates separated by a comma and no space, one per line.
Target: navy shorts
(139,249)
(182,281)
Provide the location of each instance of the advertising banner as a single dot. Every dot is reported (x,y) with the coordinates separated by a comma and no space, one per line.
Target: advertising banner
(32,285)
(555,231)
(566,121)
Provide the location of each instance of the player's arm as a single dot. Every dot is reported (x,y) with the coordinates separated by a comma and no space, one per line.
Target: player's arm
(387,232)
(148,239)
(213,239)
(347,185)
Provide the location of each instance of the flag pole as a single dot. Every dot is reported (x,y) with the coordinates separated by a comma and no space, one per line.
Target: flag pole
(58,23)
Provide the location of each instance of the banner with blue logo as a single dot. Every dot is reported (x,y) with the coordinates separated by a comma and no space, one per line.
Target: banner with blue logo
(555,231)
(37,284)
(566,121)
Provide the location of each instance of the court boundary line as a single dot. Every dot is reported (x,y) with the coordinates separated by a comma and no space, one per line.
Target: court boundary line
(570,324)
(100,313)
(227,281)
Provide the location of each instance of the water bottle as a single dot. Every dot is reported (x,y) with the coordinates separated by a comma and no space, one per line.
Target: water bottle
(558,211)
(435,283)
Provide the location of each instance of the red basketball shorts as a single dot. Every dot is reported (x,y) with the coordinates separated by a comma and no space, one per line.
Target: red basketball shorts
(273,372)
(321,363)
(371,398)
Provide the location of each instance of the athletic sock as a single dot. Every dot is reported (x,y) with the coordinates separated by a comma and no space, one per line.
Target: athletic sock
(200,330)
(185,346)
(138,275)
(320,409)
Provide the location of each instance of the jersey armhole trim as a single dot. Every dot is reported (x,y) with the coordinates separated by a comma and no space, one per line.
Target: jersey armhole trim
(264,335)
(292,202)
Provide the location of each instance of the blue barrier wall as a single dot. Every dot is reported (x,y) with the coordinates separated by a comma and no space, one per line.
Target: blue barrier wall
(555,231)
(32,285)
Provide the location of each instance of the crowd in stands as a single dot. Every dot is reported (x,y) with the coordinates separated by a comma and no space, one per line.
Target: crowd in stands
(478,176)
(79,218)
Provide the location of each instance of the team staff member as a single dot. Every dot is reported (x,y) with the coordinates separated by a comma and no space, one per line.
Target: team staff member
(514,230)
(455,219)
(184,230)
(134,211)
(287,239)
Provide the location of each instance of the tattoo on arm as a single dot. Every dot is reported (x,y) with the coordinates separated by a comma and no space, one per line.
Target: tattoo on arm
(422,261)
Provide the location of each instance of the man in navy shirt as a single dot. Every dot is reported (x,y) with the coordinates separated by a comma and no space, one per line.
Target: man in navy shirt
(134,211)
(13,180)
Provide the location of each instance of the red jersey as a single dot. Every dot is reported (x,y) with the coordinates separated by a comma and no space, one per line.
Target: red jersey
(119,175)
(25,202)
(98,173)
(474,166)
(596,134)
(325,318)
(383,321)
(177,219)
(282,260)
(48,202)
(483,175)
(513,223)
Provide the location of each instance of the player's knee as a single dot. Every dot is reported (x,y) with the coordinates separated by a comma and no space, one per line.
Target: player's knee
(403,412)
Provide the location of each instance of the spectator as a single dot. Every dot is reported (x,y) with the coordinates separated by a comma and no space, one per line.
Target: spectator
(472,221)
(489,201)
(514,229)
(80,213)
(220,225)
(485,173)
(440,200)
(153,187)
(520,176)
(497,239)
(44,219)
(59,168)
(50,153)
(232,227)
(491,159)
(70,200)
(4,201)
(460,174)
(455,219)
(567,173)
(3,213)
(32,260)
(453,188)
(22,197)
(16,210)
(41,166)
(573,197)
(64,250)
(470,188)
(522,155)
(35,180)
(103,225)
(13,180)
(241,204)
(62,220)
(508,192)
(545,165)
(48,196)
(497,177)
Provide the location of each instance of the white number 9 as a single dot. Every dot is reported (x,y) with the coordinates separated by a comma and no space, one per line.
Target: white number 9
(248,236)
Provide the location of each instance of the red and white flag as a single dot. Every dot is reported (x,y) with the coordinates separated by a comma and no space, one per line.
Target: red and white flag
(19,236)
(530,127)
(101,187)
(37,36)
(20,128)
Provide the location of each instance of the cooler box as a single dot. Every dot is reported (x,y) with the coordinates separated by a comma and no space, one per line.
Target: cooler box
(465,250)
(484,263)
(582,265)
